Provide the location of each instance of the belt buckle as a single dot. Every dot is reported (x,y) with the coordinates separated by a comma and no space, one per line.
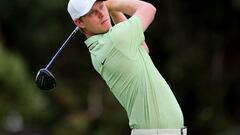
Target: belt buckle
(184,130)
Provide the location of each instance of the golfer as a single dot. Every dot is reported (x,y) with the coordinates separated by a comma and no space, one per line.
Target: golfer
(120,55)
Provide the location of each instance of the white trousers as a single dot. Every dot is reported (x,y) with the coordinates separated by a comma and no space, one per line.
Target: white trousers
(182,131)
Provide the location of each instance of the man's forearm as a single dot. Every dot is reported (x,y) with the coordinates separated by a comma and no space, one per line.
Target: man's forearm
(117,17)
(145,11)
(120,6)
(128,7)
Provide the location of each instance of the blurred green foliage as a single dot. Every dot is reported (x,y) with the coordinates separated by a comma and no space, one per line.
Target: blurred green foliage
(18,93)
(194,44)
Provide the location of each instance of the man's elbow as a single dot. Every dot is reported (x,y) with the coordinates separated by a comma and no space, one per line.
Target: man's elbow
(146,13)
(152,9)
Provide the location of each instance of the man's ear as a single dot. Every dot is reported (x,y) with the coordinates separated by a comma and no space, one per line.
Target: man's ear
(79,23)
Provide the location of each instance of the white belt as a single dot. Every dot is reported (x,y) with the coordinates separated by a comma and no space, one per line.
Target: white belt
(182,131)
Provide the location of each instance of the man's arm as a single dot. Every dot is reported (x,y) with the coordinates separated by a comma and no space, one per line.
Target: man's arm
(145,11)
(118,17)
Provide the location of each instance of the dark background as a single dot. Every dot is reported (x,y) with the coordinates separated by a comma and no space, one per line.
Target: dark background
(194,44)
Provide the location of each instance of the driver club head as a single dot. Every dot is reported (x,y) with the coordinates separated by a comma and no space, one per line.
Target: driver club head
(45,80)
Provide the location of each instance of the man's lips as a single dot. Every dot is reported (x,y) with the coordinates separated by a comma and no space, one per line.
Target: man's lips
(104,21)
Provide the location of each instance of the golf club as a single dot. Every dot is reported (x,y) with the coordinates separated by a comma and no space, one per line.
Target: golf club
(45,80)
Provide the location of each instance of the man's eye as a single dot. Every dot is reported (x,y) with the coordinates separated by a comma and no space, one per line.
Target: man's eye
(91,12)
(101,7)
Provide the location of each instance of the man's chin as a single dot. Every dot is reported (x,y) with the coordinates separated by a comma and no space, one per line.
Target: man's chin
(104,31)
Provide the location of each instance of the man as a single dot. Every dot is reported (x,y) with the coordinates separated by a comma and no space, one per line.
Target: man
(120,55)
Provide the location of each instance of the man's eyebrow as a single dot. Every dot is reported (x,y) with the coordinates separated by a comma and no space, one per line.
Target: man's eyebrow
(89,12)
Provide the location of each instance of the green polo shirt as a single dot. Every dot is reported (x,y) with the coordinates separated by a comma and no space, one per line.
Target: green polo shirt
(132,77)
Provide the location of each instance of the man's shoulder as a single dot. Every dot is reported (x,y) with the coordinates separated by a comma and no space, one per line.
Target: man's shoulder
(133,20)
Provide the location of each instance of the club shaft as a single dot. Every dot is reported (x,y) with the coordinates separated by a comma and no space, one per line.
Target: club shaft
(61,48)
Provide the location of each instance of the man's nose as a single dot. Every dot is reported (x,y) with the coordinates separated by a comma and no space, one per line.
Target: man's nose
(100,14)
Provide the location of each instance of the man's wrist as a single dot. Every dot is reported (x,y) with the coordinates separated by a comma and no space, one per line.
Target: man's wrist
(108,4)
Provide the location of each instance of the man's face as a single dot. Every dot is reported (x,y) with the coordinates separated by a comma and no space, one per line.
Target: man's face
(97,20)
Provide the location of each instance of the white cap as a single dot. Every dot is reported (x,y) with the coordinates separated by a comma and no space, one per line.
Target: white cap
(78,8)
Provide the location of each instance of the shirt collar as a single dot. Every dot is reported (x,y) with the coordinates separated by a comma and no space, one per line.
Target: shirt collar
(93,39)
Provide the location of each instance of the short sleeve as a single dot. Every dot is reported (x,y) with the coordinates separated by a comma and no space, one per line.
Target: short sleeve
(127,36)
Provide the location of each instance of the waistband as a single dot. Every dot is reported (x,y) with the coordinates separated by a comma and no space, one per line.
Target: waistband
(180,131)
